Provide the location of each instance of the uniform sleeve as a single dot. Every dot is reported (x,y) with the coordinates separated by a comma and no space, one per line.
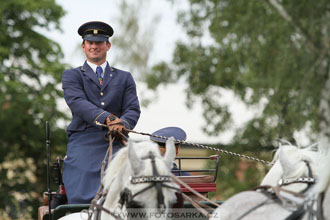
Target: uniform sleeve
(77,101)
(131,107)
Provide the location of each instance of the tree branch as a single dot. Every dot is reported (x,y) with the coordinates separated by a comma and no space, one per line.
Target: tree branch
(283,13)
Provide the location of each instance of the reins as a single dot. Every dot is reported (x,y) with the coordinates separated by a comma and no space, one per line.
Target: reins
(200,146)
(193,191)
(193,202)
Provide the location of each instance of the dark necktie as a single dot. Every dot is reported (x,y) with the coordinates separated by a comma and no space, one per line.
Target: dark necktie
(99,74)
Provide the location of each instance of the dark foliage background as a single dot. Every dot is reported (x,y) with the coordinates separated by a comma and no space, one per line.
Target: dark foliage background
(30,71)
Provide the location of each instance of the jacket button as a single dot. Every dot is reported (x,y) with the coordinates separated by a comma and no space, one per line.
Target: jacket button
(101,93)
(102,103)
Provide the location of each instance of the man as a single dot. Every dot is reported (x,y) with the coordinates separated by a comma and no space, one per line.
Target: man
(96,93)
(175,132)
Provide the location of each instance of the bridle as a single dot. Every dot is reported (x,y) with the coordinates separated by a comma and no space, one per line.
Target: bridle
(308,180)
(295,201)
(156,180)
(127,198)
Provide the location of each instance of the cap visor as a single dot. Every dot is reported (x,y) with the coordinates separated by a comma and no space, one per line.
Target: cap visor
(95,38)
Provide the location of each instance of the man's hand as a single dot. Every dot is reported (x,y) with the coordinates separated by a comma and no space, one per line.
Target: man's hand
(116,128)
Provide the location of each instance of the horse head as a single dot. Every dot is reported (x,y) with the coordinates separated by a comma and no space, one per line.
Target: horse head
(143,185)
(138,165)
(292,165)
(293,169)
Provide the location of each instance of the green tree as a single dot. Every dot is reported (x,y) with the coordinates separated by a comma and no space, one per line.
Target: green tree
(271,54)
(30,72)
(133,41)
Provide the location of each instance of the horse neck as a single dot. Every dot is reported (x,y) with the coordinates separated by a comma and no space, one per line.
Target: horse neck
(326,203)
(323,183)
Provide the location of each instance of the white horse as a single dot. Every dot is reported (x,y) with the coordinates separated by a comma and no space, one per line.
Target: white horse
(137,184)
(294,170)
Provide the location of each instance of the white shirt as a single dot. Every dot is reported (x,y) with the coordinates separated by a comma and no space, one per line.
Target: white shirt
(93,66)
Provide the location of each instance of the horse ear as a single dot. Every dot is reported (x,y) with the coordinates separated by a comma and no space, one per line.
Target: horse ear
(170,152)
(134,160)
(287,166)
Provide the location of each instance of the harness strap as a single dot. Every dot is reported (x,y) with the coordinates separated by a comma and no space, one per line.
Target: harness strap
(319,210)
(143,190)
(288,197)
(197,205)
(160,195)
(318,213)
(100,207)
(150,179)
(97,215)
(171,187)
(296,215)
(308,180)
(283,195)
(300,210)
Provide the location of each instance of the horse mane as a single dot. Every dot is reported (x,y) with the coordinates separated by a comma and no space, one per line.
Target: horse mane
(114,167)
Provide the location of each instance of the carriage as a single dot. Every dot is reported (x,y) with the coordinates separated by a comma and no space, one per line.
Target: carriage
(202,181)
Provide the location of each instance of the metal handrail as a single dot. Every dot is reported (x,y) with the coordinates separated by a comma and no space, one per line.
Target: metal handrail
(213,157)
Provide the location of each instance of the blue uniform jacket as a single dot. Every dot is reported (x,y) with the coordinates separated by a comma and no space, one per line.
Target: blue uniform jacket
(89,102)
